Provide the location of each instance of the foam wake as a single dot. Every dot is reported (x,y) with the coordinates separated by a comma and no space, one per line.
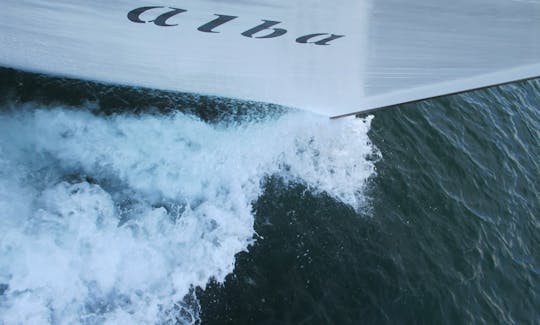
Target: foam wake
(115,219)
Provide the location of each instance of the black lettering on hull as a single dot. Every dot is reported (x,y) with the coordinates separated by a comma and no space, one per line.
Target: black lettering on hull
(262,31)
(222,19)
(161,20)
(135,14)
(276,32)
(306,39)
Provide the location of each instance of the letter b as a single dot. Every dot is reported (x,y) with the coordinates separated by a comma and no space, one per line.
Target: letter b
(276,32)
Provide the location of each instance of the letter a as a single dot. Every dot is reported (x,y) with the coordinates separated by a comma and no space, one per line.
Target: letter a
(135,15)
(161,20)
(306,39)
(266,25)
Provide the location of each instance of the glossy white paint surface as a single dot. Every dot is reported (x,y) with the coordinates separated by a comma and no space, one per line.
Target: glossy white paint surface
(393,50)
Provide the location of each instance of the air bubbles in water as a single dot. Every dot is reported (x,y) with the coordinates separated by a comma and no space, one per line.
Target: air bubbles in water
(116,219)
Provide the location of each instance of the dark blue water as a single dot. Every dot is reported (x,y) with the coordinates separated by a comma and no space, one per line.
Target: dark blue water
(453,238)
(450,233)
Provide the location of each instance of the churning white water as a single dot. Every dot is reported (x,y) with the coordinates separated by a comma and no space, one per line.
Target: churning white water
(115,219)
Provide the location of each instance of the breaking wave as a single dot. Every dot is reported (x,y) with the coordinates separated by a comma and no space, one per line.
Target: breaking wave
(115,219)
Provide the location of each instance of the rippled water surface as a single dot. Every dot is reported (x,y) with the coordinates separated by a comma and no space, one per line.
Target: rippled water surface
(120,205)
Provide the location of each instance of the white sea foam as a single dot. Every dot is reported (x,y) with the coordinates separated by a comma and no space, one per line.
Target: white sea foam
(114,219)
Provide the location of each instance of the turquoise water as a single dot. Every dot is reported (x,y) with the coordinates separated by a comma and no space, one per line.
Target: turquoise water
(437,220)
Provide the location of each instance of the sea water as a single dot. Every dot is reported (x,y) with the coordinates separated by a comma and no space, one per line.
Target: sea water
(116,219)
(127,206)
